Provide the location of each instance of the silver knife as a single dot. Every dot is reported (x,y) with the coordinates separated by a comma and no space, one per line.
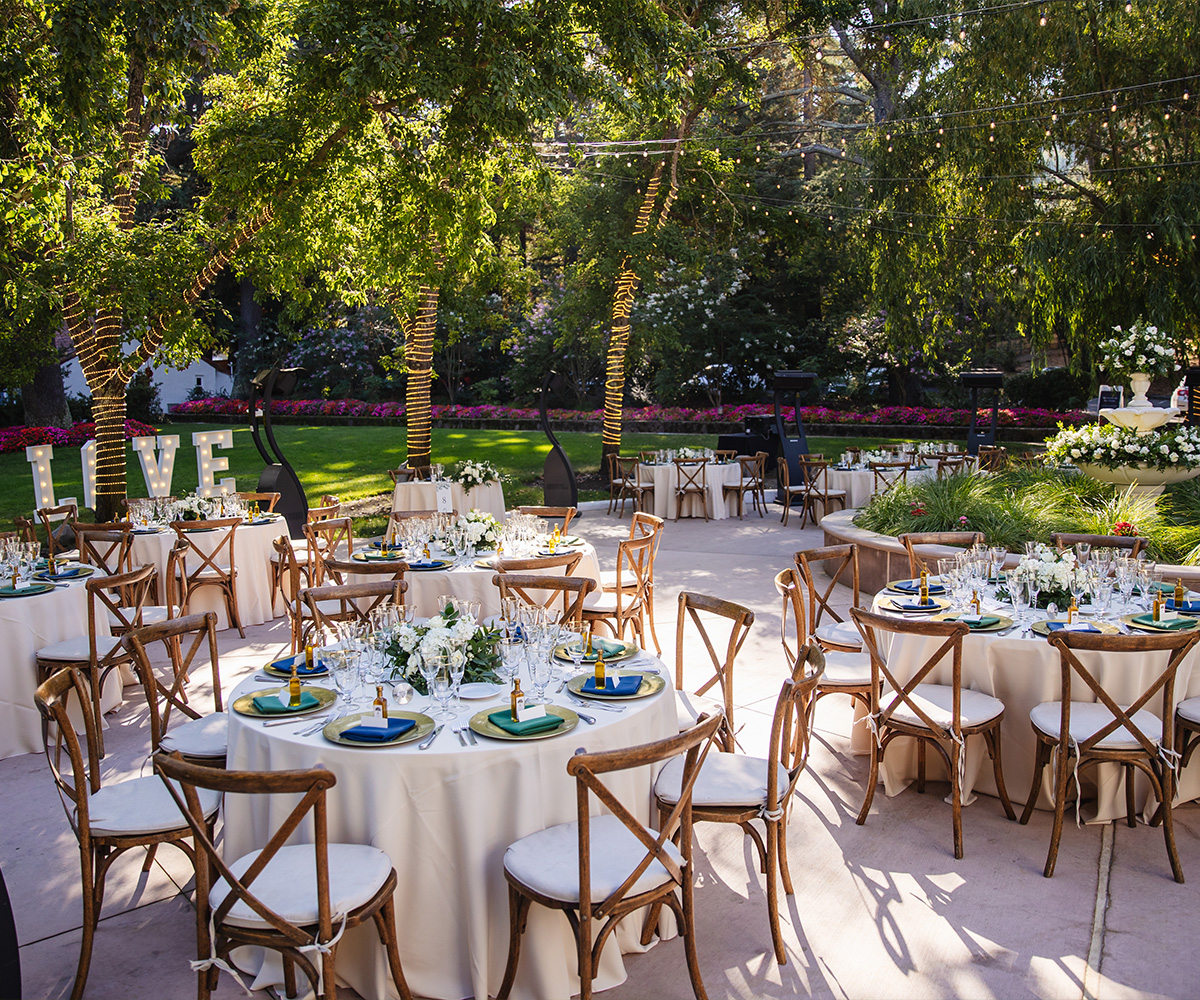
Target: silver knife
(586,718)
(305,719)
(471,736)
(426,743)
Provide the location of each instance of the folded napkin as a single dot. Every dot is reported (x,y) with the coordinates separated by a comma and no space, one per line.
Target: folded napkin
(427,563)
(62,574)
(504,720)
(302,668)
(616,686)
(917,606)
(1073,627)
(373,734)
(272,704)
(1187,607)
(26,589)
(914,587)
(1167,625)
(984,621)
(610,648)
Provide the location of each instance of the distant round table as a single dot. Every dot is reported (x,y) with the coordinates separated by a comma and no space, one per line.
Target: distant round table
(488,498)
(445,816)
(717,475)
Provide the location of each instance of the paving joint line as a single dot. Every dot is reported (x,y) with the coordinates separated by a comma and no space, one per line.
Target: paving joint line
(1092,974)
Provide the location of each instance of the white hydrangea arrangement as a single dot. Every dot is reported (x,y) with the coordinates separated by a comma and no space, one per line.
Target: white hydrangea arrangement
(194,508)
(409,645)
(692,453)
(480,532)
(1141,348)
(470,474)
(1050,570)
(1114,447)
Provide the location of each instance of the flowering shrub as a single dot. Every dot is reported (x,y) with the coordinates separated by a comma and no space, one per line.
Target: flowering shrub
(915,416)
(1141,349)
(1113,447)
(1126,528)
(19,438)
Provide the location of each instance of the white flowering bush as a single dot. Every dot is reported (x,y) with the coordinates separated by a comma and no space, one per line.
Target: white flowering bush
(409,645)
(1051,571)
(480,531)
(1114,447)
(471,474)
(1141,348)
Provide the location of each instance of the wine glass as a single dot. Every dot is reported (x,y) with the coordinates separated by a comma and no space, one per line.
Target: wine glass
(442,684)
(541,670)
(427,665)
(1082,550)
(998,554)
(344,678)
(457,661)
(1018,594)
(511,653)
(1079,586)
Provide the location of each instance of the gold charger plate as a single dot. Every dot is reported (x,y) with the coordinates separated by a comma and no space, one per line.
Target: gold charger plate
(651,685)
(275,670)
(481,724)
(1043,627)
(630,650)
(428,567)
(333,731)
(1000,626)
(1129,620)
(245,704)
(30,591)
(939,605)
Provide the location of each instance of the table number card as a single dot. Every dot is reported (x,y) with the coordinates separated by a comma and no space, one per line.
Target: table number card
(445,502)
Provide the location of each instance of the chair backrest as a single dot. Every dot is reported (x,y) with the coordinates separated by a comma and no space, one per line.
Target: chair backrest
(621,468)
(642,525)
(883,679)
(393,569)
(68,513)
(993,458)
(725,454)
(404,474)
(564,562)
(176,588)
(108,547)
(325,538)
(290,574)
(814,475)
(846,557)
(214,559)
(694,744)
(1137,649)
(789,587)
(693,475)
(1133,544)
(267,500)
(739,620)
(910,540)
(753,467)
(25,529)
(564,514)
(635,574)
(309,785)
(323,512)
(790,733)
(202,630)
(887,475)
(951,465)
(59,734)
(408,515)
(571,590)
(351,597)
(119,599)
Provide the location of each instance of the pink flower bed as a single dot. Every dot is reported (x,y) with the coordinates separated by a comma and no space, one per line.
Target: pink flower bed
(1016,416)
(19,438)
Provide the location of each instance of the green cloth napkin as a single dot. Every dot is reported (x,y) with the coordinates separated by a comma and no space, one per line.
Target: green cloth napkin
(984,621)
(1169,625)
(272,704)
(610,648)
(504,720)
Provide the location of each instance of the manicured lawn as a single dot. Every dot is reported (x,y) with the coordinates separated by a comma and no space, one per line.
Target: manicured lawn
(352,462)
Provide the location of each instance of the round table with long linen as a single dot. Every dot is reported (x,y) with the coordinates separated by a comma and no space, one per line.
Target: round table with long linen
(252,551)
(473,582)
(489,498)
(859,484)
(28,624)
(1023,671)
(445,817)
(716,475)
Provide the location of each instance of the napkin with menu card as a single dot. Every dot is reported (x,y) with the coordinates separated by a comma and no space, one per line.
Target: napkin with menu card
(618,686)
(302,668)
(503,719)
(1072,627)
(914,587)
(272,704)
(378,734)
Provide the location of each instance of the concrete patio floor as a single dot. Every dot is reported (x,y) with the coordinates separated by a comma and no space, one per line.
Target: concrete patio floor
(881,910)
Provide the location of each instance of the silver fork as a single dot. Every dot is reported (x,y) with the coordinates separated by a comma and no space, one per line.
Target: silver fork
(594,704)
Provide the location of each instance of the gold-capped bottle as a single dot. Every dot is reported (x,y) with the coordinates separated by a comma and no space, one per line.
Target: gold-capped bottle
(1180,593)
(379,705)
(518,700)
(294,686)
(924,586)
(601,673)
(1156,609)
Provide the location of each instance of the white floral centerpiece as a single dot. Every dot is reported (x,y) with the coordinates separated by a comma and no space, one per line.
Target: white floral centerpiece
(1141,348)
(1113,447)
(409,645)
(470,474)
(1051,571)
(691,453)
(473,531)
(193,508)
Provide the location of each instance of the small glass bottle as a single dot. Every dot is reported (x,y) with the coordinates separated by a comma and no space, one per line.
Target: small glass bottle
(924,586)
(518,700)
(975,601)
(1156,609)
(1180,593)
(1071,609)
(294,692)
(379,705)
(601,675)
(51,564)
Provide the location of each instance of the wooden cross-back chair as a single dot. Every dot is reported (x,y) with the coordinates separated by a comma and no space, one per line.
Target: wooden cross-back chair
(408,515)
(814,474)
(953,465)
(625,604)
(118,598)
(691,705)
(410,474)
(554,867)
(960,539)
(993,458)
(565,563)
(175,590)
(564,514)
(201,738)
(841,633)
(25,530)
(887,476)
(622,481)
(293,579)
(790,491)
(542,591)
(212,564)
(67,513)
(108,547)
(265,501)
(1085,733)
(244,901)
(331,536)
(753,470)
(351,598)
(1130,545)
(107,819)
(642,525)
(691,481)
(739,789)
(937,715)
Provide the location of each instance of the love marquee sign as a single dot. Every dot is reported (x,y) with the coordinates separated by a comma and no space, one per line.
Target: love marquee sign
(157,469)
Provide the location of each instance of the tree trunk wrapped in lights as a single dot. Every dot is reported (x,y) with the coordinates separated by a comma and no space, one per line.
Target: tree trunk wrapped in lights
(418,359)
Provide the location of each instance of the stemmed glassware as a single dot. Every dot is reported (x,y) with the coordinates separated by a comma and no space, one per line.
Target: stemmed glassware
(1018,593)
(541,670)
(998,554)
(511,653)
(441,684)
(1079,585)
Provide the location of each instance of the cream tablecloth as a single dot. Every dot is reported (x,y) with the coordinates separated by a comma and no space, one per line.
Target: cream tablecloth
(859,484)
(1023,673)
(445,816)
(666,478)
(26,625)
(252,552)
(423,496)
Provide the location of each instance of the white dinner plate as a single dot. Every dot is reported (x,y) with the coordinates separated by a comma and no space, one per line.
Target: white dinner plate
(480,691)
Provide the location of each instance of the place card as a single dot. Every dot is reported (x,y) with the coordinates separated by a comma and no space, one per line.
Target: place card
(24,584)
(971,619)
(526,713)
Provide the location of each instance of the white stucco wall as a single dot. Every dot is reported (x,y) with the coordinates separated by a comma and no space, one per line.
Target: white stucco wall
(173,385)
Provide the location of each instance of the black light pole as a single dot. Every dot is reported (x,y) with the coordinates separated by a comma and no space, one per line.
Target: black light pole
(1191,378)
(278,477)
(559,488)
(791,448)
(975,381)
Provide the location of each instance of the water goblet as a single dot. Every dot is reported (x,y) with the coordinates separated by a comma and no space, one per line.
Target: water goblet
(442,685)
(541,670)
(1018,594)
(1082,550)
(511,653)
(1079,585)
(457,660)
(998,554)
(343,676)
(427,665)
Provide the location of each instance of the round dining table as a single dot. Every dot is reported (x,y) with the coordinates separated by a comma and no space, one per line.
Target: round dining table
(859,483)
(487,497)
(252,551)
(445,816)
(1022,670)
(719,505)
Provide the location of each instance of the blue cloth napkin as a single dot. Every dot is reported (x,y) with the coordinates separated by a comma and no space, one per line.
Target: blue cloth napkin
(272,704)
(1059,626)
(914,587)
(64,574)
(1187,607)
(616,686)
(917,606)
(302,669)
(370,734)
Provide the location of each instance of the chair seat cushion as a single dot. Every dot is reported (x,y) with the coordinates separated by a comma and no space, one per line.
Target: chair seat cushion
(937,701)
(77,649)
(841,633)
(207,736)
(689,707)
(846,669)
(152,614)
(1189,709)
(221,573)
(1088,718)
(139,806)
(288,885)
(726,779)
(548,861)
(823,495)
